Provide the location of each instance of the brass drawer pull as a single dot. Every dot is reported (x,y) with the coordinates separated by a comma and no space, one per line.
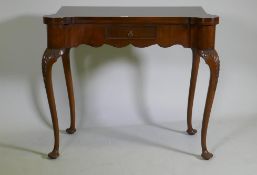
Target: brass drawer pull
(130,34)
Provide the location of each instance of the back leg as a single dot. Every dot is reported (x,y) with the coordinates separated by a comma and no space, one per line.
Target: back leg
(68,78)
(194,73)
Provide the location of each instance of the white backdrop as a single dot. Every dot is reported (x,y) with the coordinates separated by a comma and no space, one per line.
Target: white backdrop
(129,85)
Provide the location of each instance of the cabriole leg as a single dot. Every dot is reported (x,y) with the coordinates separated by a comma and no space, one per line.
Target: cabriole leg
(49,58)
(212,60)
(194,72)
(68,78)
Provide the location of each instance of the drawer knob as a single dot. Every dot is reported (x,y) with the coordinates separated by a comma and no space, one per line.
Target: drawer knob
(130,34)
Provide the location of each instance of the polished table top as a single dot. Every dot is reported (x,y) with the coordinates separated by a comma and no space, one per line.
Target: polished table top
(153,13)
(86,11)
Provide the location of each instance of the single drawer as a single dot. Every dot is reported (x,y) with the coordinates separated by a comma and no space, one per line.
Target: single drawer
(130,32)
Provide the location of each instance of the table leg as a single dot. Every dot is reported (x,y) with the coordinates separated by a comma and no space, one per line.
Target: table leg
(68,78)
(212,59)
(194,72)
(49,58)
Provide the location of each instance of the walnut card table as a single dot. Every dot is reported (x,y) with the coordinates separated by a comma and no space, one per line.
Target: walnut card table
(190,27)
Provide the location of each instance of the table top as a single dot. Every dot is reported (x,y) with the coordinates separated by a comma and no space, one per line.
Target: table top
(83,11)
(93,12)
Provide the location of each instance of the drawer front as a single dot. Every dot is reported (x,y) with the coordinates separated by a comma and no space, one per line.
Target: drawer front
(130,32)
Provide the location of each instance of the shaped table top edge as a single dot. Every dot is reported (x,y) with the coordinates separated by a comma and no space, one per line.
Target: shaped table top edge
(157,15)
